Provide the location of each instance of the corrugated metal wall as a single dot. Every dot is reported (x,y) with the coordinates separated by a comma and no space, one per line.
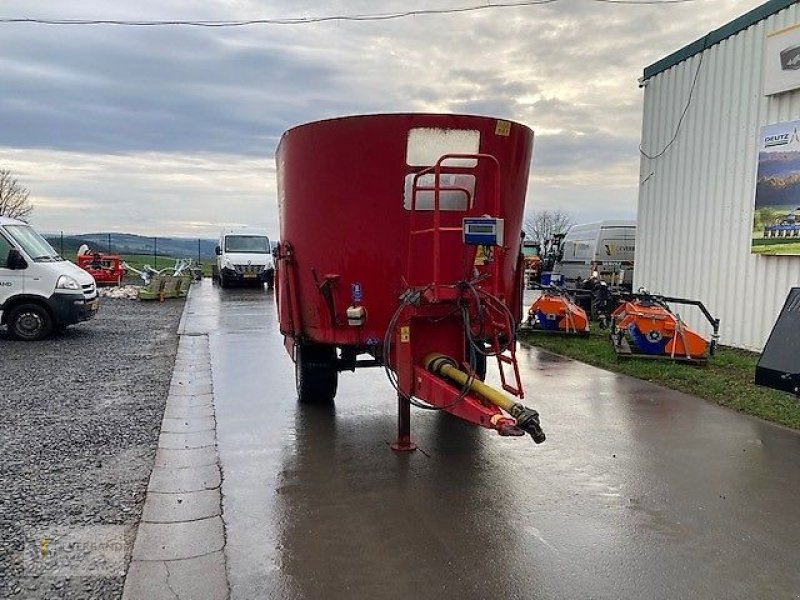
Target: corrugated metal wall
(696,201)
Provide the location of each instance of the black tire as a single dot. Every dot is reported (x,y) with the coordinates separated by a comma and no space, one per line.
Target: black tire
(30,322)
(223,281)
(270,279)
(315,372)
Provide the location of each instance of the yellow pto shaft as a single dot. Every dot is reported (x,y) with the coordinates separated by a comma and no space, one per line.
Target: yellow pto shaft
(447,368)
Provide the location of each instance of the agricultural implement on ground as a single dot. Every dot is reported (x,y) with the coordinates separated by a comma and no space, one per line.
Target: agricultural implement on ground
(779,363)
(170,282)
(644,326)
(106,269)
(555,311)
(400,241)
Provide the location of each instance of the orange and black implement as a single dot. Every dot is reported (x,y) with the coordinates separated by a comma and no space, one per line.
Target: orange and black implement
(645,326)
(555,311)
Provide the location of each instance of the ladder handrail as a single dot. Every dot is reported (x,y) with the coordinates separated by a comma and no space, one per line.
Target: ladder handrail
(437,188)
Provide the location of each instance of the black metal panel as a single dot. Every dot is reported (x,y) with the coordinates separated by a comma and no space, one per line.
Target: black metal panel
(780,359)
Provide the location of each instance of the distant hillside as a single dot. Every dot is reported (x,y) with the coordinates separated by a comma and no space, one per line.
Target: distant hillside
(128,243)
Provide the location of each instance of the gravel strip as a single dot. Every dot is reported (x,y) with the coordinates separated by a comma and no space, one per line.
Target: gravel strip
(80,416)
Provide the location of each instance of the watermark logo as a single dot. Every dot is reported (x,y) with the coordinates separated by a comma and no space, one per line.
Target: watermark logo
(96,550)
(43,544)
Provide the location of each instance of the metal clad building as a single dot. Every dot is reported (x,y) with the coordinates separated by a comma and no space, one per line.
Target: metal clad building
(695,210)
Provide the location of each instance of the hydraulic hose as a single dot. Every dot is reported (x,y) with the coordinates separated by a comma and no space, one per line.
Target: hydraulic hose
(527,418)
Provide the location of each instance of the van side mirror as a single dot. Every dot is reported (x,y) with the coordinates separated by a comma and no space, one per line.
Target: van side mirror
(217,250)
(15,261)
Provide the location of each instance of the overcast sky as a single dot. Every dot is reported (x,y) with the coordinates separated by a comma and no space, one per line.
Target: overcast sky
(172,130)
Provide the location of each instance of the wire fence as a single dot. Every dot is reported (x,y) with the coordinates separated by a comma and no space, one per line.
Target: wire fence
(156,251)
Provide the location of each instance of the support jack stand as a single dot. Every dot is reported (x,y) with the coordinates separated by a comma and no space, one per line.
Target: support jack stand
(403,443)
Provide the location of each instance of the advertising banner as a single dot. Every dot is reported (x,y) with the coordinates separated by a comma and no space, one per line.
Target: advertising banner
(776,219)
(782,61)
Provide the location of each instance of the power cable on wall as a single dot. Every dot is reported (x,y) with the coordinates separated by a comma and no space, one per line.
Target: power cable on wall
(683,112)
(319,19)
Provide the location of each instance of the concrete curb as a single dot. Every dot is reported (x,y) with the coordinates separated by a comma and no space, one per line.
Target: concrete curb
(185,314)
(180,541)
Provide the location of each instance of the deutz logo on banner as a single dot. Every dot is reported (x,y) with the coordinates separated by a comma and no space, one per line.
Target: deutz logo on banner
(790,58)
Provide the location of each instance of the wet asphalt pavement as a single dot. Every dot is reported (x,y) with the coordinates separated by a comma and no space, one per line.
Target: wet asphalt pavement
(639,491)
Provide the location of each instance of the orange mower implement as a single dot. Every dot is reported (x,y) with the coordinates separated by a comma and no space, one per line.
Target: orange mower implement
(556,312)
(644,326)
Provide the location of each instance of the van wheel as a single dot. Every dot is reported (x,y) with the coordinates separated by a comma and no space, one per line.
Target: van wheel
(223,282)
(270,279)
(30,322)
(315,372)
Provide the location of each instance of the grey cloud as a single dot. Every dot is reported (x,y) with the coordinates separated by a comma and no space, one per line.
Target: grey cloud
(570,151)
(570,67)
(153,92)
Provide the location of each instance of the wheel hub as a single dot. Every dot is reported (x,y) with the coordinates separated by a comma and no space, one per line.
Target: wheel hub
(29,323)
(654,336)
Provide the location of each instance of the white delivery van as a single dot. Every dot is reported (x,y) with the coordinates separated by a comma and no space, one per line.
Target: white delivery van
(605,249)
(39,290)
(244,255)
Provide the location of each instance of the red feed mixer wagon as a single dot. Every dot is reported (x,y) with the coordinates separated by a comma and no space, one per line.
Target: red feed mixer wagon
(400,248)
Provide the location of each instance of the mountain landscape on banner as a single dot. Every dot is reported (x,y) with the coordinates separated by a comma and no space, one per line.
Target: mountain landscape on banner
(778,179)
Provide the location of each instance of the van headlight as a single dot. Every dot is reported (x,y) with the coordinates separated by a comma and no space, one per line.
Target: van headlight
(227,264)
(67,283)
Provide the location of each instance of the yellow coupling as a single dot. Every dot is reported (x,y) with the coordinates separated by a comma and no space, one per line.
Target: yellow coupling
(447,368)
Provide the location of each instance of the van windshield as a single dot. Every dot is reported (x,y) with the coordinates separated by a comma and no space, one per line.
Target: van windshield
(33,244)
(255,244)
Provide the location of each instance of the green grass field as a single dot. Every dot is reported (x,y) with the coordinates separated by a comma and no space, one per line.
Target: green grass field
(776,246)
(727,379)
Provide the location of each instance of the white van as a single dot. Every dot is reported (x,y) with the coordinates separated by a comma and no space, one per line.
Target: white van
(39,290)
(244,255)
(606,249)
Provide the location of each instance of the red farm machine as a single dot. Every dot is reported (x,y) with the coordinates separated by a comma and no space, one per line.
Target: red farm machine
(400,242)
(107,269)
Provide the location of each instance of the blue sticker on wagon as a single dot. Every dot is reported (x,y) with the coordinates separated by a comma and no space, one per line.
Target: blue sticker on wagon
(356,292)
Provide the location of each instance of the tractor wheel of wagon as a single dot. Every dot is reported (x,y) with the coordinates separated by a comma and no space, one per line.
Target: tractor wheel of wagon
(315,373)
(30,322)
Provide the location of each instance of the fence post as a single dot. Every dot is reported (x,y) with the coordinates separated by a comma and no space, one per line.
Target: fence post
(155,253)
(62,243)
